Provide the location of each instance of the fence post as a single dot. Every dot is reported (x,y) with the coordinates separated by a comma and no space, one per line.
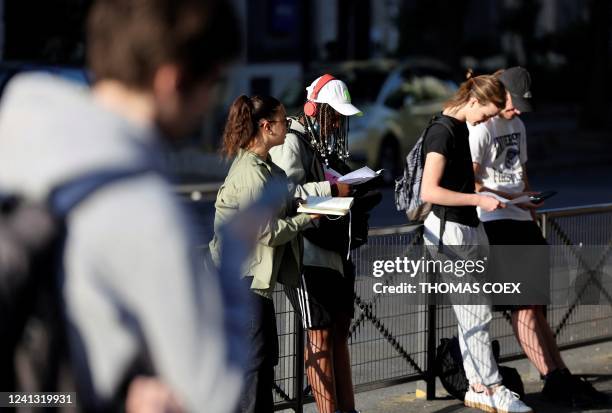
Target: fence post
(431,351)
(299,364)
(544,229)
(544,224)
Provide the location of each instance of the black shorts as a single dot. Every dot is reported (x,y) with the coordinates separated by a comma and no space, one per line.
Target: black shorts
(323,295)
(512,232)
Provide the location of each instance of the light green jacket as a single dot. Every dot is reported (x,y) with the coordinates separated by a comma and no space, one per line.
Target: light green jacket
(278,252)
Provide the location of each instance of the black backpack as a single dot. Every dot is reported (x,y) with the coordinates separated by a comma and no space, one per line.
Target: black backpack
(349,232)
(449,368)
(346,233)
(33,349)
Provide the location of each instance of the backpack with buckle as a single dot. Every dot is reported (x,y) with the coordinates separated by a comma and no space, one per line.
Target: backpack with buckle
(33,349)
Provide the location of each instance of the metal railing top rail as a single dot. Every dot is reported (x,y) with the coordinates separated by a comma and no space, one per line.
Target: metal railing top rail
(576,210)
(550,213)
(204,188)
(394,229)
(213,187)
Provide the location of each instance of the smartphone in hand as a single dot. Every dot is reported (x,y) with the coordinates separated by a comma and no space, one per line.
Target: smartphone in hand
(536,199)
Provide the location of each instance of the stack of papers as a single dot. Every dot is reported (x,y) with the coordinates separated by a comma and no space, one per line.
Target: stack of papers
(331,175)
(359,176)
(326,205)
(519,200)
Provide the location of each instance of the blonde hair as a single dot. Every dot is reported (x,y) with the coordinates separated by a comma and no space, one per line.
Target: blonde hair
(485,88)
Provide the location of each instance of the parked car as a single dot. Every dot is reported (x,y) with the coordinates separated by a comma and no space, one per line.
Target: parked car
(364,79)
(409,97)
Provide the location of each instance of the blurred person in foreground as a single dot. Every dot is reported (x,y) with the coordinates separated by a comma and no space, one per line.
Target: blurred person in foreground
(255,125)
(141,312)
(499,156)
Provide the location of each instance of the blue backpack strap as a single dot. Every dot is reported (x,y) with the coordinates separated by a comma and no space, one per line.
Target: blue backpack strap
(64,197)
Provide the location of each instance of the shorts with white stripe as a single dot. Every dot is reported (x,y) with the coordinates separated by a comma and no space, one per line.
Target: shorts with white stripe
(322,295)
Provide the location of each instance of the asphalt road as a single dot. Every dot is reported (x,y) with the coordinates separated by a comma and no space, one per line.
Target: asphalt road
(575,186)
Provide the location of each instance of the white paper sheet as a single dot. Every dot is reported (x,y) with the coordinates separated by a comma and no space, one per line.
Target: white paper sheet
(359,176)
(519,200)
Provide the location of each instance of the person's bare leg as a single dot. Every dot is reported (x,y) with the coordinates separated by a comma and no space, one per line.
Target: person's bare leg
(533,340)
(319,369)
(549,338)
(342,365)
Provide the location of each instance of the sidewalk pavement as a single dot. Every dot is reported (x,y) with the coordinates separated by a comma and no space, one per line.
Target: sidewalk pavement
(593,362)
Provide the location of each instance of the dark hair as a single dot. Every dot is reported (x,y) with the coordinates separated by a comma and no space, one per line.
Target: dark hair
(326,117)
(329,132)
(485,88)
(243,121)
(128,40)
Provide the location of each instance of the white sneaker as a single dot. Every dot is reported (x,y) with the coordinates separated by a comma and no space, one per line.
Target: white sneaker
(502,401)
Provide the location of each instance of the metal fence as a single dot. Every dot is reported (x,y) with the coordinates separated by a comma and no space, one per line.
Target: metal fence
(392,342)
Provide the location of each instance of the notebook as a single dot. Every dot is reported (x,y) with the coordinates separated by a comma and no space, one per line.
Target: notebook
(326,205)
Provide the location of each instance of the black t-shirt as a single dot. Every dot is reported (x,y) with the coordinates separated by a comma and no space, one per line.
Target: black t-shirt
(458,173)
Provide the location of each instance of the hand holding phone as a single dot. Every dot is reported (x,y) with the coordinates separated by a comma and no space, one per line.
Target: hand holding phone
(539,198)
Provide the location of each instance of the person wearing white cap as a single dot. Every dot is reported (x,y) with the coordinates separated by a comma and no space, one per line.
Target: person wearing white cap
(327,89)
(317,141)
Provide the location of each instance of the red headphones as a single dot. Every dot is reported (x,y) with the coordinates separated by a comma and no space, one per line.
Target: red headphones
(311,107)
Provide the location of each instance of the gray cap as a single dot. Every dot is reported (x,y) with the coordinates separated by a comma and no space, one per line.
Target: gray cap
(517,82)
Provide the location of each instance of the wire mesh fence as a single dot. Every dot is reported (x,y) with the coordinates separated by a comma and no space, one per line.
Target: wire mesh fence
(393,341)
(577,230)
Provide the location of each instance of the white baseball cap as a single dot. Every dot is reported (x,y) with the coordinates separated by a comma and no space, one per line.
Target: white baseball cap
(336,94)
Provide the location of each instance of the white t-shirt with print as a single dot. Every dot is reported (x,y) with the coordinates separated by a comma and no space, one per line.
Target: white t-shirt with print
(500,147)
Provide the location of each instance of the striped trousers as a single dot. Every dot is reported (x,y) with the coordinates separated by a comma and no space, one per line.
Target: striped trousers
(472,320)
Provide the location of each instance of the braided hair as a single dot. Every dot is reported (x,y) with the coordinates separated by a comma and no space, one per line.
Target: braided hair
(328,132)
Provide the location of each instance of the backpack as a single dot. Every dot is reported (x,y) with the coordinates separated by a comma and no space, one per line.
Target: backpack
(346,233)
(408,186)
(449,368)
(33,354)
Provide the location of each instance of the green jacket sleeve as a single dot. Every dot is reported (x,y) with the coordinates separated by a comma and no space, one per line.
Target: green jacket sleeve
(281,231)
(277,231)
